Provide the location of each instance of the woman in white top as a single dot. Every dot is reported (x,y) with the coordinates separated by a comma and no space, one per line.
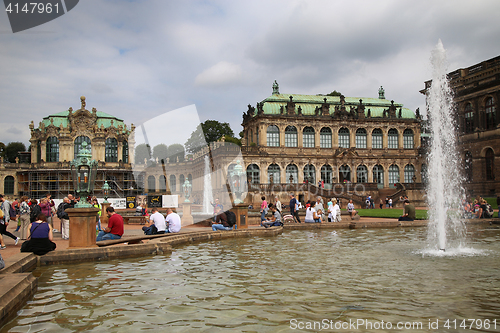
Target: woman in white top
(335,211)
(311,215)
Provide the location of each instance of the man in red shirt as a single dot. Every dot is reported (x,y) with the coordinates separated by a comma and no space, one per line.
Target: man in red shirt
(115,226)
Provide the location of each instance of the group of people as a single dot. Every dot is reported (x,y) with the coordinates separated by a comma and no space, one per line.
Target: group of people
(159,224)
(478,208)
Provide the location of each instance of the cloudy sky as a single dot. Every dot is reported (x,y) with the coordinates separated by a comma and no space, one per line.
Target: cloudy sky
(139,59)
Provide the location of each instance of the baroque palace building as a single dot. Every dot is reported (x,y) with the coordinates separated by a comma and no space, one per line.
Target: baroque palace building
(297,139)
(476,94)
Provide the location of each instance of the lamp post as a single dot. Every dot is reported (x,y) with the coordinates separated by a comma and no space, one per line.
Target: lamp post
(83,172)
(187,188)
(105,190)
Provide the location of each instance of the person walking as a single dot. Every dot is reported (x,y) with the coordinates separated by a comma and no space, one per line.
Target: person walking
(24,216)
(294,207)
(4,222)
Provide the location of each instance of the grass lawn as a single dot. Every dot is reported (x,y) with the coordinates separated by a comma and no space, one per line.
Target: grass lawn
(390,213)
(493,202)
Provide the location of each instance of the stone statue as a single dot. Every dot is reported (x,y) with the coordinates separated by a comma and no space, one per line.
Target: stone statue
(82,99)
(369,113)
(276,88)
(400,113)
(299,110)
(381,93)
(417,113)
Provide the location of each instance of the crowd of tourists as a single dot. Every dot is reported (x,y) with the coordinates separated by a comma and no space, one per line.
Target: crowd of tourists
(478,208)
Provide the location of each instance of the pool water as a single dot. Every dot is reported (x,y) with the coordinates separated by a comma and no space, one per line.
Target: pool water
(278,284)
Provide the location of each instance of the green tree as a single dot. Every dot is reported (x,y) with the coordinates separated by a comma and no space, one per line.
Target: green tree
(232,140)
(334,93)
(176,151)
(12,150)
(142,151)
(160,152)
(206,132)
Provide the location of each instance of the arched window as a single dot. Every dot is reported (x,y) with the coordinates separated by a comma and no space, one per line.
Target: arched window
(361,138)
(78,144)
(344,173)
(182,180)
(173,183)
(378,175)
(344,138)
(308,137)
(490,113)
(273,172)
(468,119)
(125,152)
(393,175)
(38,151)
(377,138)
(326,174)
(52,149)
(310,173)
(190,178)
(111,150)
(490,164)
(273,136)
(8,185)
(253,174)
(409,172)
(408,139)
(468,166)
(151,184)
(163,183)
(290,136)
(423,173)
(292,174)
(140,182)
(362,174)
(325,138)
(392,139)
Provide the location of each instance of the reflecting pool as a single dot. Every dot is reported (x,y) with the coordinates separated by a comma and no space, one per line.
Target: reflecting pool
(263,284)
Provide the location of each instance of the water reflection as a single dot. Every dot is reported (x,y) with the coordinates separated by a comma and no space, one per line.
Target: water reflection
(260,284)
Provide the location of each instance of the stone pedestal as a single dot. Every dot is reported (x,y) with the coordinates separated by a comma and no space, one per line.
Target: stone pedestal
(82,223)
(104,216)
(187,217)
(241,212)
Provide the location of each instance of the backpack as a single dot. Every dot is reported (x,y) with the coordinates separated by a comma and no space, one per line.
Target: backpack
(12,212)
(231,218)
(35,211)
(60,210)
(488,212)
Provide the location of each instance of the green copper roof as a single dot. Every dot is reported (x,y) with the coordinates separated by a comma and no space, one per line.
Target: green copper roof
(102,119)
(308,103)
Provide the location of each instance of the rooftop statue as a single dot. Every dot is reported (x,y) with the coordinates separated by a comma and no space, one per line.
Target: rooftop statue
(381,93)
(276,88)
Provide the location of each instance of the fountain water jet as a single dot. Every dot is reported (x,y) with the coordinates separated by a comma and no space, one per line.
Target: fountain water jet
(444,189)
(207,188)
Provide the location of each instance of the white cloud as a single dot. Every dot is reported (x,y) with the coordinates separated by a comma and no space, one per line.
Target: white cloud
(221,74)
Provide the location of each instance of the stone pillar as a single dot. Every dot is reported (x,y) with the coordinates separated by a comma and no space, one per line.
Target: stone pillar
(241,212)
(104,216)
(369,139)
(187,218)
(82,223)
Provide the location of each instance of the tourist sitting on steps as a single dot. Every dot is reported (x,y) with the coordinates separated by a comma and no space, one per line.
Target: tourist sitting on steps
(39,237)
(350,209)
(311,215)
(275,220)
(409,212)
(156,224)
(220,221)
(115,226)
(173,221)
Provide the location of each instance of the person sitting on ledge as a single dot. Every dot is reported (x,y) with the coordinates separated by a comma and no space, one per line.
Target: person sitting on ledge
(173,220)
(115,226)
(156,224)
(39,237)
(220,221)
(275,219)
(409,212)
(311,215)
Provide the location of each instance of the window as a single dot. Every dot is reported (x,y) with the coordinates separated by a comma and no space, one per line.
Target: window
(310,174)
(469,119)
(125,152)
(377,138)
(408,139)
(52,149)
(182,180)
(151,184)
(423,173)
(392,137)
(140,182)
(273,136)
(8,185)
(344,173)
(163,183)
(326,174)
(468,166)
(173,183)
(344,138)
(292,174)
(362,174)
(253,174)
(38,151)
(325,137)
(273,172)
(290,136)
(393,175)
(111,150)
(409,172)
(78,144)
(490,164)
(308,137)
(490,113)
(378,174)
(361,138)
